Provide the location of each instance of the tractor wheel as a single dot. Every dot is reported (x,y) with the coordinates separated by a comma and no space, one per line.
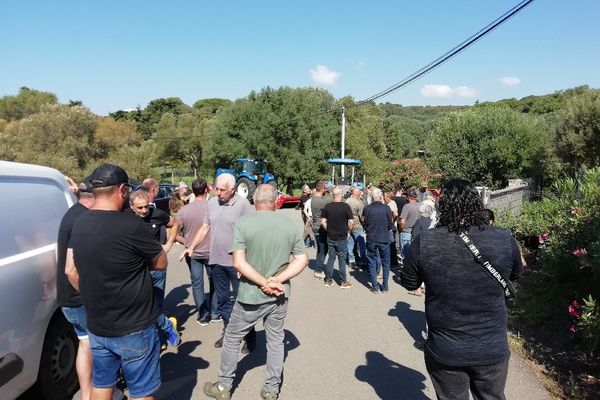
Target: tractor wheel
(245,188)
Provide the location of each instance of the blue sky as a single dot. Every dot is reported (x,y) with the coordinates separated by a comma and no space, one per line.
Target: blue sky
(120,54)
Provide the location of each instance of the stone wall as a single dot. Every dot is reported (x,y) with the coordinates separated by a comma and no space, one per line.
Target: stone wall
(510,198)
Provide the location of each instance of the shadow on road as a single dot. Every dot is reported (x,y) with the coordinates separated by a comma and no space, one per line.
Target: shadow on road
(413,320)
(258,357)
(179,372)
(175,306)
(391,380)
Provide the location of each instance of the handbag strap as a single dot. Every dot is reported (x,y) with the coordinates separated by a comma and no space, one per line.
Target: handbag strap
(507,287)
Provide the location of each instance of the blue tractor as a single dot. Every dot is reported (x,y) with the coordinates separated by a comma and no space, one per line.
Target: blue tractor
(249,172)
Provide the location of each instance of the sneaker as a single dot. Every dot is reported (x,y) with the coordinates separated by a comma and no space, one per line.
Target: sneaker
(353,265)
(213,390)
(268,395)
(173,338)
(346,285)
(203,321)
(328,282)
(216,320)
(219,342)
(319,275)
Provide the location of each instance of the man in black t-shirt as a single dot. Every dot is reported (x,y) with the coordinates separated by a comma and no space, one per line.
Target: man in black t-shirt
(67,297)
(337,220)
(112,253)
(157,220)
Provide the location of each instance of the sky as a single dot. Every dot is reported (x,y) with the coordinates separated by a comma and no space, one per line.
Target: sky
(114,55)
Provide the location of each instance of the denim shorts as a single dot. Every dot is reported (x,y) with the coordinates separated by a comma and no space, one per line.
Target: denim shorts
(76,316)
(137,353)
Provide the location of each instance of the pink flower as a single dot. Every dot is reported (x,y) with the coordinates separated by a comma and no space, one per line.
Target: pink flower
(573,212)
(579,252)
(574,312)
(573,328)
(543,237)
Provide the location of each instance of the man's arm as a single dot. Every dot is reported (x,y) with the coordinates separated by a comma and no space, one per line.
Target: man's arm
(324,223)
(297,265)
(246,270)
(174,225)
(410,276)
(350,225)
(402,223)
(71,271)
(159,262)
(198,238)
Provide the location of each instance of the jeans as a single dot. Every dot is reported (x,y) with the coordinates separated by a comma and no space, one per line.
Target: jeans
(379,251)
(339,248)
(357,237)
(243,319)
(224,277)
(321,238)
(78,318)
(137,353)
(159,280)
(405,239)
(205,305)
(484,381)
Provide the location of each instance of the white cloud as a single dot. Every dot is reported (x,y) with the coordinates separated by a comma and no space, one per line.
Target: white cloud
(447,92)
(323,75)
(509,81)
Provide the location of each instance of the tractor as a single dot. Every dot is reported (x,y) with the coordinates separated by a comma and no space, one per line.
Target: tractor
(248,173)
(346,184)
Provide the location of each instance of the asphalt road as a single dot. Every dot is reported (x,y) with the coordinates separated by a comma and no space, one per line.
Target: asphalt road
(340,344)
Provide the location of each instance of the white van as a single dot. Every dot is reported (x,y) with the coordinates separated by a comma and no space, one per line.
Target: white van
(37,345)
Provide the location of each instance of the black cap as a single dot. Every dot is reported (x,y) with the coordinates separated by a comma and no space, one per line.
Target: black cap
(108,175)
(86,185)
(411,193)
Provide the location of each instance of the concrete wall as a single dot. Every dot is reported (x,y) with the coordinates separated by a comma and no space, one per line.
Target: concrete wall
(510,198)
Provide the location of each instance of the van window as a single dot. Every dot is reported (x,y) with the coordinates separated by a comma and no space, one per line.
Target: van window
(31,213)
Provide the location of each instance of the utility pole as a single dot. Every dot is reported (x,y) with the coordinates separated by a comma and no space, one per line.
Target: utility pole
(343,139)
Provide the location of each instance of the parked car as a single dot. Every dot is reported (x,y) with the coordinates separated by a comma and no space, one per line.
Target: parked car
(38,346)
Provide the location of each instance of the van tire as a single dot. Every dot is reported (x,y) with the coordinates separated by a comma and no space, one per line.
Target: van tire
(57,376)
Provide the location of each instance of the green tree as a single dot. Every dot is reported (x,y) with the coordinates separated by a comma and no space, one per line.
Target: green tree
(58,136)
(208,108)
(489,145)
(577,137)
(149,117)
(287,127)
(26,103)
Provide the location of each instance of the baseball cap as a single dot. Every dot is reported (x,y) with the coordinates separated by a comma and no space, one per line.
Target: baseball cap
(108,175)
(411,193)
(86,185)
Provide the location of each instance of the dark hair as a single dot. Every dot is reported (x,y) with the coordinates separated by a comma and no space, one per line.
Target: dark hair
(460,206)
(488,216)
(199,187)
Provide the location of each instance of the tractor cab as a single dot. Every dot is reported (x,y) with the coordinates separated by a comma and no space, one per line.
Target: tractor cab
(248,173)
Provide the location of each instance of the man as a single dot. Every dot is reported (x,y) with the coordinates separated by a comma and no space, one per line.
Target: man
(467,346)
(357,236)
(191,217)
(112,253)
(377,218)
(262,244)
(400,200)
(156,219)
(317,203)
(67,297)
(151,185)
(410,215)
(336,220)
(388,199)
(222,213)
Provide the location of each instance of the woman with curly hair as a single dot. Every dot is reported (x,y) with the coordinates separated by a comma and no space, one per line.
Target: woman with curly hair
(467,345)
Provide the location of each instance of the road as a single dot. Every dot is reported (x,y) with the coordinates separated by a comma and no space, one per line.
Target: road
(340,344)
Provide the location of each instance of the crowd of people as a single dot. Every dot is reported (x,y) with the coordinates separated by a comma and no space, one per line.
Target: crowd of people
(112,267)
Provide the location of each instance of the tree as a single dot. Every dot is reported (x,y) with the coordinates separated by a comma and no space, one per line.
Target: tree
(26,103)
(58,136)
(489,145)
(111,135)
(287,127)
(149,117)
(208,108)
(577,137)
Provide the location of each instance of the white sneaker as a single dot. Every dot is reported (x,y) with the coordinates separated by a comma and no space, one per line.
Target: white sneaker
(319,275)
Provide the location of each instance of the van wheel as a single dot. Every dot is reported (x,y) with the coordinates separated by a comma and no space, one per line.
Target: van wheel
(57,377)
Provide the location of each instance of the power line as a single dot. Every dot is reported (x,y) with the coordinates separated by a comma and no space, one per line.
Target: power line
(420,72)
(450,53)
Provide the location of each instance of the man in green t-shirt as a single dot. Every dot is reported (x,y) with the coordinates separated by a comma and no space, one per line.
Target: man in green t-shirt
(263,243)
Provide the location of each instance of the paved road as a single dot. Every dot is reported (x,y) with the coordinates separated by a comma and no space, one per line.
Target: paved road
(340,344)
